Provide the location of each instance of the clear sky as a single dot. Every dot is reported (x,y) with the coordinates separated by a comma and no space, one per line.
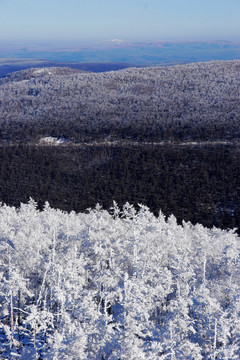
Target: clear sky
(84,20)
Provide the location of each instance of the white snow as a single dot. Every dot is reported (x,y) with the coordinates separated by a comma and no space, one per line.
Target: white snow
(41,71)
(125,285)
(51,140)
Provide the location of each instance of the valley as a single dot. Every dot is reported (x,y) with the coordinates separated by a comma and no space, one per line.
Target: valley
(165,137)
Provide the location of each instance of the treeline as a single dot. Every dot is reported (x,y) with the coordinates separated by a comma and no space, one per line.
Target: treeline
(195,101)
(198,184)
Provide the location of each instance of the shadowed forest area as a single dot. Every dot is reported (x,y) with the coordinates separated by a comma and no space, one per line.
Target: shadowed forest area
(200,184)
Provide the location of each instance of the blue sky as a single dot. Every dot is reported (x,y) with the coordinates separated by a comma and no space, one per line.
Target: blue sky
(94,20)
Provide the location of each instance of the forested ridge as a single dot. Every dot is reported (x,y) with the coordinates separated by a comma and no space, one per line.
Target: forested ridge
(197,101)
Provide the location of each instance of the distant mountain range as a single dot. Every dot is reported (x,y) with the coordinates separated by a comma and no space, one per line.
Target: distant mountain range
(8,66)
(114,54)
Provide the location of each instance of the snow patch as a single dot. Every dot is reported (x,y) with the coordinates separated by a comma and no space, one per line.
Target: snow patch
(42,71)
(51,140)
(114,41)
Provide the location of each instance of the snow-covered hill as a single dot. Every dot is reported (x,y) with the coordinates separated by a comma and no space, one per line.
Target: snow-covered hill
(197,101)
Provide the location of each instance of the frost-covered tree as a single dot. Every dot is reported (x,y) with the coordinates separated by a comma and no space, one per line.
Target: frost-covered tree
(122,284)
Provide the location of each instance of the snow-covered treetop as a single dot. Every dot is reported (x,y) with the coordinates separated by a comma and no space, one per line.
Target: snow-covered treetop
(116,285)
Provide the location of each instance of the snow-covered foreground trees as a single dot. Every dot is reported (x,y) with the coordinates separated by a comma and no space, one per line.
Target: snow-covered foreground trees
(116,285)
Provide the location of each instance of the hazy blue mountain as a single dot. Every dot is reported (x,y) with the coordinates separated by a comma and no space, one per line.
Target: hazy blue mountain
(120,53)
(8,66)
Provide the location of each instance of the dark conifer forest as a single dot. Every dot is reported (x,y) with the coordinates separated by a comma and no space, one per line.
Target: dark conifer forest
(195,183)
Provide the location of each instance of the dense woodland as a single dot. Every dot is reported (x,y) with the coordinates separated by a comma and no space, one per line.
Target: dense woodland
(195,101)
(173,104)
(123,285)
(195,183)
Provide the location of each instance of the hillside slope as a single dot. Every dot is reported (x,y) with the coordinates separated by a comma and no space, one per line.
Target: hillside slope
(198,101)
